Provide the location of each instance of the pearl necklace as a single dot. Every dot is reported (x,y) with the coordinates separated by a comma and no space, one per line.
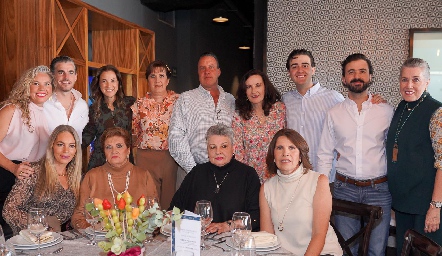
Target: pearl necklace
(111,184)
(281,222)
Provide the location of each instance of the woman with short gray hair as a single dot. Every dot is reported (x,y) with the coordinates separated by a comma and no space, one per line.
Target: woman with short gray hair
(228,184)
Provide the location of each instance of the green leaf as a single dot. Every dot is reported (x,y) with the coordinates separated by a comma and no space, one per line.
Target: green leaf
(89,206)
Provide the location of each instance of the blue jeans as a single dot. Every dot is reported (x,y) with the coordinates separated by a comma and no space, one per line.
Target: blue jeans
(348,225)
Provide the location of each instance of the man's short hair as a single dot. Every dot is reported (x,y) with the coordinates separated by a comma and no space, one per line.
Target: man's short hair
(417,63)
(210,54)
(297,52)
(61,59)
(357,56)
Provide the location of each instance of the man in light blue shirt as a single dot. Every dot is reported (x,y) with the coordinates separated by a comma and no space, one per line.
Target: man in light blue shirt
(307,106)
(197,110)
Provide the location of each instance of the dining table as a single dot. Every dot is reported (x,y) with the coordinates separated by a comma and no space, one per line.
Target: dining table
(76,245)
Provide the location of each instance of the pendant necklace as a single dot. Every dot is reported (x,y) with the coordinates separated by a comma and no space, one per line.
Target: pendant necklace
(281,222)
(111,184)
(216,182)
(400,125)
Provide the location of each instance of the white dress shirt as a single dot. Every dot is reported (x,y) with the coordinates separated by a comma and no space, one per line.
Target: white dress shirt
(194,112)
(359,137)
(56,113)
(306,114)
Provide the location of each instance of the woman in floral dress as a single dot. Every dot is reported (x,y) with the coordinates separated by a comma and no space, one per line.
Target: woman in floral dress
(150,124)
(259,115)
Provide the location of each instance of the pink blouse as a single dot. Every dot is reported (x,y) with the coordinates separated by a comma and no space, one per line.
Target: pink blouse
(252,138)
(150,121)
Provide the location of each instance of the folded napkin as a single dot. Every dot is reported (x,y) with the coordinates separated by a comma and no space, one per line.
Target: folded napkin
(264,239)
(28,236)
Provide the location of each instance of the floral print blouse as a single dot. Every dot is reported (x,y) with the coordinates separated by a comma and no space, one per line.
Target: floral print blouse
(150,121)
(21,199)
(252,138)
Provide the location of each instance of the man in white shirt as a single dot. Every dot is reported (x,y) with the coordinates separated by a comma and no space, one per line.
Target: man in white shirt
(357,129)
(197,110)
(307,106)
(65,106)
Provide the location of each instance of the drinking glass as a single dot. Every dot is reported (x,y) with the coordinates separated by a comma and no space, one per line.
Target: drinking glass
(92,214)
(37,224)
(241,229)
(204,209)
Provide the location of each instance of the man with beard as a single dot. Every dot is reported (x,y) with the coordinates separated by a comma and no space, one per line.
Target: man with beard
(357,129)
(65,106)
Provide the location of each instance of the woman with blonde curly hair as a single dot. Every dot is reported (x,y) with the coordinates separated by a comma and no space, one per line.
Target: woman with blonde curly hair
(24,140)
(111,108)
(54,186)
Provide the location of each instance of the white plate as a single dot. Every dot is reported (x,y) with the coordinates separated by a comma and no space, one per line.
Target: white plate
(230,244)
(20,243)
(90,231)
(166,229)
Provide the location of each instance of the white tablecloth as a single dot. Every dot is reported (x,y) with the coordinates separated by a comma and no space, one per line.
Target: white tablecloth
(159,247)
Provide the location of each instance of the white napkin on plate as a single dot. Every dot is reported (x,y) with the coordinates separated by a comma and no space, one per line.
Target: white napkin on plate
(264,239)
(28,236)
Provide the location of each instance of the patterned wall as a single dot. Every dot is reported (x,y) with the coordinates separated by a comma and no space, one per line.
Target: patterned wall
(334,29)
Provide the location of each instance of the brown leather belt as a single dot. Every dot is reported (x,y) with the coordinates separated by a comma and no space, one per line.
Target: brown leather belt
(360,183)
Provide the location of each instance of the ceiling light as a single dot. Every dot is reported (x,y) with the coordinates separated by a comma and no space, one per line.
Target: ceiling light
(220,19)
(244,47)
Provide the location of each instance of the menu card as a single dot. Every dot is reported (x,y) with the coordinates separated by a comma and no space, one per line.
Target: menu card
(186,235)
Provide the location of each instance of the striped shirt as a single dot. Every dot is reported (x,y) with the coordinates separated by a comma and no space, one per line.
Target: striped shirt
(195,112)
(306,114)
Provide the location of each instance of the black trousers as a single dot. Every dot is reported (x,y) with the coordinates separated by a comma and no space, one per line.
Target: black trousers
(7,180)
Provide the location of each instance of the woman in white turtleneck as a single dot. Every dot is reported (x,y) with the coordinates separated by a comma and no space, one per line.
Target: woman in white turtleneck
(296,203)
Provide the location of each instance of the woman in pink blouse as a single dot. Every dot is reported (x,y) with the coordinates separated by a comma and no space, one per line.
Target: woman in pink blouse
(259,115)
(150,125)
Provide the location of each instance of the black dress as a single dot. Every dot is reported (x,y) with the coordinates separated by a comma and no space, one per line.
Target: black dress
(239,192)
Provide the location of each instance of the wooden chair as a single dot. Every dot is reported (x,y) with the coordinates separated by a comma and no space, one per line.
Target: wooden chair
(367,213)
(418,244)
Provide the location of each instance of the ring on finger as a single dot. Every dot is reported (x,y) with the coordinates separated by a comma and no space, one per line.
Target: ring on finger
(21,172)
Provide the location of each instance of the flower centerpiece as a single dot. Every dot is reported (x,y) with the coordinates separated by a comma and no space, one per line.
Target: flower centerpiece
(128,224)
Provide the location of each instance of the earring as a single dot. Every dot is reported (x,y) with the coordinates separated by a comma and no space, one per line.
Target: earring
(127,156)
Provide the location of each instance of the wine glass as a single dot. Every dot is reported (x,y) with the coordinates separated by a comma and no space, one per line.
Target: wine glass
(37,224)
(204,209)
(241,228)
(92,214)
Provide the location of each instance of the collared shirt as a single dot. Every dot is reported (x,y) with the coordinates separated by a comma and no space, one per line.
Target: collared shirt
(56,113)
(150,121)
(359,137)
(306,114)
(195,112)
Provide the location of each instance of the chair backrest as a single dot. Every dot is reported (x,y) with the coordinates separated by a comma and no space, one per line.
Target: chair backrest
(417,244)
(367,213)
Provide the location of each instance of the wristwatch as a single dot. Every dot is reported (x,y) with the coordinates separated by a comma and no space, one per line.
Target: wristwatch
(436,204)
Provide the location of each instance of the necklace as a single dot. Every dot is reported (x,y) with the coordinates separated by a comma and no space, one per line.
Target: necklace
(281,222)
(62,175)
(400,125)
(111,184)
(216,182)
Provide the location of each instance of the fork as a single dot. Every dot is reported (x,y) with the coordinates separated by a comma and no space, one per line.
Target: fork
(222,248)
(57,250)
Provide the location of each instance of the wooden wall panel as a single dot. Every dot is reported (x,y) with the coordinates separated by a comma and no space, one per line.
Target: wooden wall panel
(116,47)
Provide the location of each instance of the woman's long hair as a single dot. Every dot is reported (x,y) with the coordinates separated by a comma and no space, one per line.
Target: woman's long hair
(98,95)
(242,103)
(20,93)
(48,178)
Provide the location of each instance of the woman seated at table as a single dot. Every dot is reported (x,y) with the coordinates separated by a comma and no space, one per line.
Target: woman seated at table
(115,177)
(228,184)
(296,203)
(54,185)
